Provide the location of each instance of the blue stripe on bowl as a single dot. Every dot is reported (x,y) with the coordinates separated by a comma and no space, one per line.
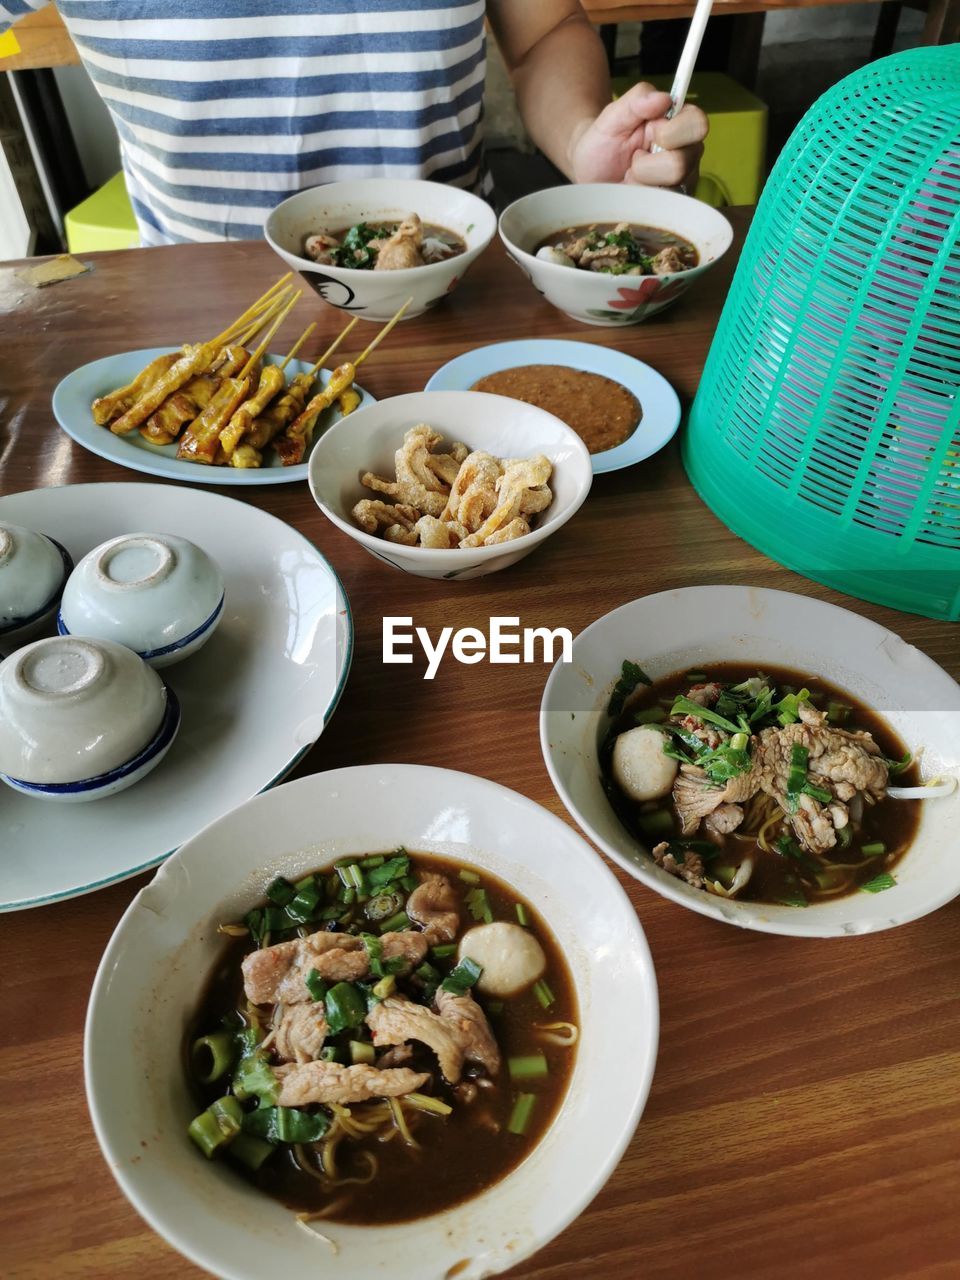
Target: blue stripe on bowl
(147,654)
(160,741)
(67,559)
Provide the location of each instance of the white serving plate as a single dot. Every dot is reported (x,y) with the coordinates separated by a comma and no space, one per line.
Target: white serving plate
(77,391)
(149,980)
(253,699)
(694,627)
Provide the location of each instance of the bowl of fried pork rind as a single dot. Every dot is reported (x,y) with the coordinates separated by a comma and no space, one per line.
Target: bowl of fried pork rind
(450,484)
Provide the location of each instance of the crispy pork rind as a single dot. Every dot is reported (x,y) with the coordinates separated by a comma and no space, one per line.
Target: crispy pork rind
(454,499)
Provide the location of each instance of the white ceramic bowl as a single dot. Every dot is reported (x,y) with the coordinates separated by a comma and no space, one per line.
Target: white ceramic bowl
(156,593)
(376,295)
(147,985)
(81,719)
(368,439)
(33,569)
(591,296)
(696,626)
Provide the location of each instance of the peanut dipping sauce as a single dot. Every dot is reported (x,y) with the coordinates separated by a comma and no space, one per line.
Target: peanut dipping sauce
(602,412)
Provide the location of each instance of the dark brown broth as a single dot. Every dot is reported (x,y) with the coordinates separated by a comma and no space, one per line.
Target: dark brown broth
(894,822)
(460,1155)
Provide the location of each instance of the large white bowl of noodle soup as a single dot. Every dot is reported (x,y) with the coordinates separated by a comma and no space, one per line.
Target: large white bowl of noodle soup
(150,980)
(696,627)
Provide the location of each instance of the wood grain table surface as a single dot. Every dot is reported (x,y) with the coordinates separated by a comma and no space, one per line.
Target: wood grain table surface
(804,1119)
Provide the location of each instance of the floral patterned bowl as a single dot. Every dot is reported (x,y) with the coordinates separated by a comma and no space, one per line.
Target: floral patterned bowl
(596,297)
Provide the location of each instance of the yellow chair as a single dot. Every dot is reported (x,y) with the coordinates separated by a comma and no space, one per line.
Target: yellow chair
(103,221)
(732,169)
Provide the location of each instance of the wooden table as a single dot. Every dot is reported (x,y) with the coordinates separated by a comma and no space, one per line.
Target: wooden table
(804,1119)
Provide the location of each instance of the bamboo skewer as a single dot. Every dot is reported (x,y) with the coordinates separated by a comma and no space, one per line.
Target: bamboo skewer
(269,334)
(251,311)
(380,336)
(264,318)
(333,346)
(297,345)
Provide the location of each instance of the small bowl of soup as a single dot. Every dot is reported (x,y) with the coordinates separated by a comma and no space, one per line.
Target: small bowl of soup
(735,750)
(366,1018)
(612,254)
(366,246)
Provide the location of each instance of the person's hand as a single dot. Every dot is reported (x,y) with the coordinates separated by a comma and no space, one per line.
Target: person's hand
(618,145)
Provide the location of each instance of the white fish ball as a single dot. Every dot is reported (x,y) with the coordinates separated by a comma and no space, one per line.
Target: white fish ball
(640,767)
(547,253)
(511,957)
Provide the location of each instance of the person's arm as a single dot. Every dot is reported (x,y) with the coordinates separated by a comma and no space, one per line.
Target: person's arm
(559,71)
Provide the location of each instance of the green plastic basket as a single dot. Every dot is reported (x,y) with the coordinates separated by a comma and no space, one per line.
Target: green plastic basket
(826,429)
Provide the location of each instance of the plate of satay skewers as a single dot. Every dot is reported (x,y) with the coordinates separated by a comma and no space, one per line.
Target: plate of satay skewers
(222,411)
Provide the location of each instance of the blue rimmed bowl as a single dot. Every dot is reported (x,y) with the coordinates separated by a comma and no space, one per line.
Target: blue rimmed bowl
(158,594)
(81,719)
(33,570)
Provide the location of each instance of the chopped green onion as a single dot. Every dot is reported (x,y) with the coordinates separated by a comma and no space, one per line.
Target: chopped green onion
(400,921)
(423,1102)
(684,706)
(788,848)
(838,712)
(427,973)
(280,892)
(393,869)
(254,1078)
(469,877)
(408,883)
(522,917)
(650,715)
(792,896)
(286,1124)
(797,776)
(788,708)
(385,987)
(520,1115)
(543,993)
(361,1051)
(442,950)
(213,1056)
(883,881)
(819,793)
(874,849)
(845,836)
(459,981)
(348,896)
(346,1007)
(301,908)
(696,677)
(315,985)
(898,766)
(530,1066)
(216,1126)
(631,675)
(739,741)
(478,904)
(374,860)
(248,1039)
(374,949)
(382,907)
(250,1151)
(352,876)
(330,1053)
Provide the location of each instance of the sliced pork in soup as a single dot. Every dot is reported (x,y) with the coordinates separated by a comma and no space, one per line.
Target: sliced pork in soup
(767,786)
(383,1039)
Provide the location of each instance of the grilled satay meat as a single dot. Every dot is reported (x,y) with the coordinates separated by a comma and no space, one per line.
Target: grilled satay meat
(272,421)
(292,445)
(201,441)
(107,408)
(164,426)
(271,383)
(195,360)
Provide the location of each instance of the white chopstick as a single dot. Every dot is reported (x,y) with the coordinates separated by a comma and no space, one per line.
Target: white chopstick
(688,59)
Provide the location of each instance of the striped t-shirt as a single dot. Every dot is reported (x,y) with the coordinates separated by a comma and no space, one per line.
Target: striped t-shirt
(224,107)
